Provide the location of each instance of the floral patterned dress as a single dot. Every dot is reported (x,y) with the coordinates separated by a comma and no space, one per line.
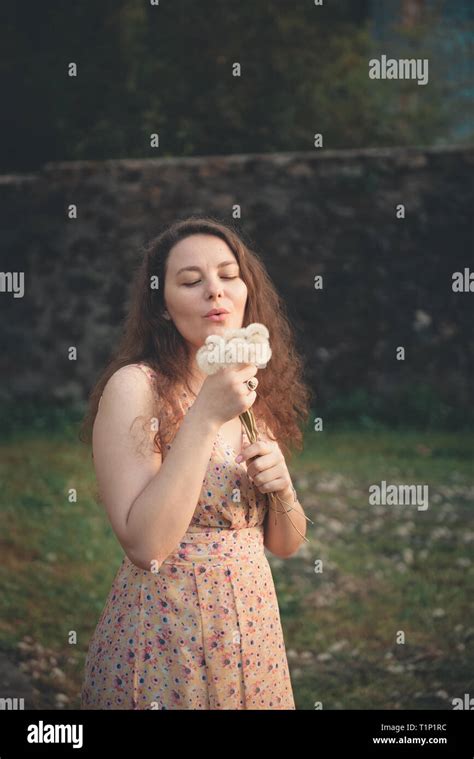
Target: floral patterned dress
(204,631)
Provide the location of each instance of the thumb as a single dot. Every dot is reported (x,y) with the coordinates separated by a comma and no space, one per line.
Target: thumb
(245,444)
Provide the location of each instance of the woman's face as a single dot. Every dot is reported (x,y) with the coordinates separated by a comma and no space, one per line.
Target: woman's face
(203,273)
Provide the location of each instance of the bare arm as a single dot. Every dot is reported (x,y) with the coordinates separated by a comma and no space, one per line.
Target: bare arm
(280,537)
(150,502)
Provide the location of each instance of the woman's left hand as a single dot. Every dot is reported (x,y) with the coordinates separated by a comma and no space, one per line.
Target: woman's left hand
(268,470)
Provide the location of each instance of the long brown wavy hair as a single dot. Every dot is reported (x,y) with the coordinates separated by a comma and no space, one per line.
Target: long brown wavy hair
(283,398)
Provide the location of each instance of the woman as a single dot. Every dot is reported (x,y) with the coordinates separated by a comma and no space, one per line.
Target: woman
(192,619)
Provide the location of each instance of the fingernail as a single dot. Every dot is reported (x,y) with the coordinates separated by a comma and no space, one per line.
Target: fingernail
(239,458)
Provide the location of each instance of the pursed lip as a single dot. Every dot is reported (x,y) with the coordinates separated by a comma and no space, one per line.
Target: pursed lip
(214,311)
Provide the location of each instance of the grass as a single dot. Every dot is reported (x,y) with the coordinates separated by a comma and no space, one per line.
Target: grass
(388,572)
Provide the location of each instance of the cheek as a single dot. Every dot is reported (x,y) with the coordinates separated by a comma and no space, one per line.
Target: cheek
(181,304)
(240,293)
(185,300)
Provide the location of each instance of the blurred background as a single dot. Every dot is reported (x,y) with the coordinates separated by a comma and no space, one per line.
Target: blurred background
(262,115)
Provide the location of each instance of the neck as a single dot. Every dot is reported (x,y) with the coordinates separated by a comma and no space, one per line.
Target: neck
(197,376)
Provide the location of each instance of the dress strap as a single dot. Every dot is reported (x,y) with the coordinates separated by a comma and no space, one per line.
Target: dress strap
(146,369)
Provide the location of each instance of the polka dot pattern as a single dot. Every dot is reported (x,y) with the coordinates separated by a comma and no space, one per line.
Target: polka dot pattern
(203,629)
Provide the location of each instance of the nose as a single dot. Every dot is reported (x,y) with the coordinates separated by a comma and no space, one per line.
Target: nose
(214,288)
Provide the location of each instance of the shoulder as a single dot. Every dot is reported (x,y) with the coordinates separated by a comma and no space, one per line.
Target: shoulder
(143,367)
(132,373)
(125,410)
(128,383)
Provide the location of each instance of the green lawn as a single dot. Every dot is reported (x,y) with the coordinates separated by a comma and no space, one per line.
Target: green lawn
(386,569)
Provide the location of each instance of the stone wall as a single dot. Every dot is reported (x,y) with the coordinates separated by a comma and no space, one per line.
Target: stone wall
(387,282)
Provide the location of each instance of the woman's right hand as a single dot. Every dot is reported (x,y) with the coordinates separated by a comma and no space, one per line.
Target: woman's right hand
(224,395)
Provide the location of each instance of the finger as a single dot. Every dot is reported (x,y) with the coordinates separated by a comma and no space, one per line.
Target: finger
(273,486)
(269,475)
(262,463)
(247,371)
(254,449)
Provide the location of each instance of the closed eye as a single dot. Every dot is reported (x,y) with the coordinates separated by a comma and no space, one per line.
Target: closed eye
(190,284)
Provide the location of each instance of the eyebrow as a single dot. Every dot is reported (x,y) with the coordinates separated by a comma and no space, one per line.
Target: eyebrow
(196,268)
